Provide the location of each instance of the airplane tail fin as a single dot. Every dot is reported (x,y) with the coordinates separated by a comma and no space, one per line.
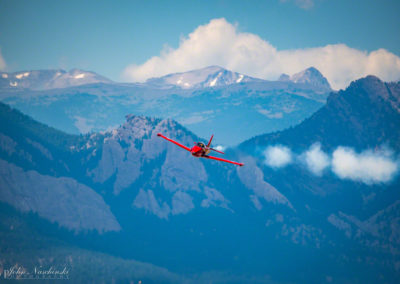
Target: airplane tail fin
(209,142)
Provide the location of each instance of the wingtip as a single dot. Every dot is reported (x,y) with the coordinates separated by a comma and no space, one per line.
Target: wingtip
(241,164)
(158,134)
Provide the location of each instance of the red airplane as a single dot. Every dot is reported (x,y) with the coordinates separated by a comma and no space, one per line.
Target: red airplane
(200,150)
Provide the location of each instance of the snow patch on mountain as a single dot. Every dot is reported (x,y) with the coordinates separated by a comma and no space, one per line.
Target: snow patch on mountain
(50,79)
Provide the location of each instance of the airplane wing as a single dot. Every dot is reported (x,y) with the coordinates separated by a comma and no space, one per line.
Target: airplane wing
(216,150)
(222,160)
(176,143)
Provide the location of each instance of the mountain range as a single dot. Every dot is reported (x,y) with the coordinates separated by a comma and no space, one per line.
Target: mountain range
(130,195)
(49,79)
(210,99)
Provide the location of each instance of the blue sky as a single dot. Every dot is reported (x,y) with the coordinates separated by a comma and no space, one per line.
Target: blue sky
(108,36)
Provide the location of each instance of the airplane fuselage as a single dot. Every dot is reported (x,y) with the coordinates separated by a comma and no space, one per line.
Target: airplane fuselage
(198,151)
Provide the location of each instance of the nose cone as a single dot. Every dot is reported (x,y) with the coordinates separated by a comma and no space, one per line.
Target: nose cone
(195,150)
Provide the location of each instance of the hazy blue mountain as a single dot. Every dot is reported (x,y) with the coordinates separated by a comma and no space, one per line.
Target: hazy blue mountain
(215,222)
(48,79)
(366,115)
(233,106)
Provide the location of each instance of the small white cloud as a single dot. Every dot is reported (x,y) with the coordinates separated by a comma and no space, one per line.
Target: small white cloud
(3,64)
(220,148)
(220,43)
(367,167)
(277,156)
(315,159)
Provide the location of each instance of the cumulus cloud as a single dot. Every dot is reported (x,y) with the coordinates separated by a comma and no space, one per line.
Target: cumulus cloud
(368,167)
(2,62)
(221,43)
(316,160)
(277,156)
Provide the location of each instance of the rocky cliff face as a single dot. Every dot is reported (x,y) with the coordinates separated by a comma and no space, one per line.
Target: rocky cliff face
(59,199)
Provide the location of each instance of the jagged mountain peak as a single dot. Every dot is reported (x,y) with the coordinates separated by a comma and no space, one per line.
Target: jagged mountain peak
(311,76)
(376,91)
(144,127)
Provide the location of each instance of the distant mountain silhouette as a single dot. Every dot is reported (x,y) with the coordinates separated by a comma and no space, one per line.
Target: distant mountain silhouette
(48,79)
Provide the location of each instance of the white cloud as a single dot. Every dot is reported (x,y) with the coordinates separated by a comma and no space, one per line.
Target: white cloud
(220,43)
(2,62)
(220,148)
(368,167)
(277,156)
(316,160)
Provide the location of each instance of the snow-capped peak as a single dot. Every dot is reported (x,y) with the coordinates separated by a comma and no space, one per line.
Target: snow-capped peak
(211,76)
